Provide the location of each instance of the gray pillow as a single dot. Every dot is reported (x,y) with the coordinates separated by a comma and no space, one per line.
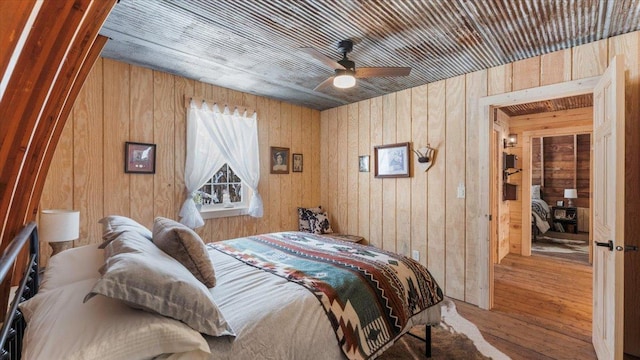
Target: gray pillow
(114,225)
(184,245)
(144,277)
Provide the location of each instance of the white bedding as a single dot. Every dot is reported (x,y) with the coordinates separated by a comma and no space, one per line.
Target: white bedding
(272,317)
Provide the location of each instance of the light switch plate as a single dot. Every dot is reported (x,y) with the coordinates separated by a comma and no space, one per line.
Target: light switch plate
(415,255)
(461,191)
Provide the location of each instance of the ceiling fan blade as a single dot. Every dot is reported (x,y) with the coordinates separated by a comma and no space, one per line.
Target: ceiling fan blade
(367,72)
(325,60)
(324,85)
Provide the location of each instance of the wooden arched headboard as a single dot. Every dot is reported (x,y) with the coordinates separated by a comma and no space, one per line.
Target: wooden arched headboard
(47,48)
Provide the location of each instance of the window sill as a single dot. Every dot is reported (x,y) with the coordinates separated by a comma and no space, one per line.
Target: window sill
(215,213)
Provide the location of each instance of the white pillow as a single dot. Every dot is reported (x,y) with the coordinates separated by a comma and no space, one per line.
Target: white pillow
(138,273)
(114,225)
(535,191)
(72,265)
(60,326)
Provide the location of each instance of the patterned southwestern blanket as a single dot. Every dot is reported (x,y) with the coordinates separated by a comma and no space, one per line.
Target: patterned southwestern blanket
(540,211)
(540,207)
(368,294)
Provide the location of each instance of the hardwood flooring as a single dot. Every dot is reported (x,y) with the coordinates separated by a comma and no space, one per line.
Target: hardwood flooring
(542,309)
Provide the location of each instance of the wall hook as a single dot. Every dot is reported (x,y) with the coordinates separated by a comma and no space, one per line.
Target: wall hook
(425,155)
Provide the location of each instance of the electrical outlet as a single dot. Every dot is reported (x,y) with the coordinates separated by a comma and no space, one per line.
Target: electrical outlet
(415,255)
(461,191)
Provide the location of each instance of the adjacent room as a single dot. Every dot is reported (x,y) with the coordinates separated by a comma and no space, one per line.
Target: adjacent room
(320,179)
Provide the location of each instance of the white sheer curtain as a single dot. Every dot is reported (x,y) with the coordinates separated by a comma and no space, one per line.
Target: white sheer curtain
(213,139)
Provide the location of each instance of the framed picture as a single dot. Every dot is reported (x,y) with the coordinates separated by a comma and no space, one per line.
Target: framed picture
(297,162)
(392,160)
(560,203)
(560,214)
(279,160)
(363,163)
(139,158)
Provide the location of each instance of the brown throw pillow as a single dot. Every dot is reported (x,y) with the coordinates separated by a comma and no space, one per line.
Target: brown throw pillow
(184,245)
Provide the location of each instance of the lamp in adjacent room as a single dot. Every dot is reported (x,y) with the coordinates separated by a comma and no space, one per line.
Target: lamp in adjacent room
(570,194)
(59,228)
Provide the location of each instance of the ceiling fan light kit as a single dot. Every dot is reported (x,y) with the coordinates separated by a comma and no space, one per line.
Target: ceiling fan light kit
(345,69)
(344,79)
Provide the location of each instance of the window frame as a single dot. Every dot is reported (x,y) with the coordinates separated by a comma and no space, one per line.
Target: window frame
(213,211)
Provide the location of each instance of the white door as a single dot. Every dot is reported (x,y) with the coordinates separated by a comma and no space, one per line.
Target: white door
(608,203)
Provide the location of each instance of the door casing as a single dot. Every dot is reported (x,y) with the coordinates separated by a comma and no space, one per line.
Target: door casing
(486,245)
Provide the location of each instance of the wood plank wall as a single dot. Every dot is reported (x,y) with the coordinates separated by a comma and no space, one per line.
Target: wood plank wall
(441,114)
(582,178)
(566,161)
(121,102)
(501,130)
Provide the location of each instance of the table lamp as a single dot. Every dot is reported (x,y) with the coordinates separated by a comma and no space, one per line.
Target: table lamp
(59,228)
(570,194)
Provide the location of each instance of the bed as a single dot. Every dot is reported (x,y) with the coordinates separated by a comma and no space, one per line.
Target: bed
(540,212)
(132,299)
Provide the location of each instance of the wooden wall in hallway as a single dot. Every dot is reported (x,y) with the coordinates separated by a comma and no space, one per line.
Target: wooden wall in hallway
(558,122)
(423,212)
(121,102)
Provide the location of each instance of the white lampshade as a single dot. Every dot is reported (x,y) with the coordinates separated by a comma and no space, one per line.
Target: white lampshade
(570,193)
(59,225)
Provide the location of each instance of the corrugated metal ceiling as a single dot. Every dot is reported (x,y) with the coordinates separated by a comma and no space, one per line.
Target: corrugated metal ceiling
(567,103)
(254,46)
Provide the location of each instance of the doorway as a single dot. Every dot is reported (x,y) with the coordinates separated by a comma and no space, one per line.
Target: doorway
(560,176)
(609,198)
(487,108)
(532,288)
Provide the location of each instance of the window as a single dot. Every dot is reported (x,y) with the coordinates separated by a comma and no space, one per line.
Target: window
(216,139)
(224,182)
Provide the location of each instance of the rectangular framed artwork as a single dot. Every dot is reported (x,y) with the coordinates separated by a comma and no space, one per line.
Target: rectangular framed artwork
(279,160)
(392,161)
(296,165)
(139,158)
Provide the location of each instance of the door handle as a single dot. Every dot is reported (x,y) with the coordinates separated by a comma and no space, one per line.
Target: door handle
(606,244)
(627,248)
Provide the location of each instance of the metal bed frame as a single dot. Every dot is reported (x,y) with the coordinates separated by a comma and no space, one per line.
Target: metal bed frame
(14,324)
(427,340)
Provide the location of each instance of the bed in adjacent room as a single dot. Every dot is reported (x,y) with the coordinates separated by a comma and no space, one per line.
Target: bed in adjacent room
(540,212)
(164,294)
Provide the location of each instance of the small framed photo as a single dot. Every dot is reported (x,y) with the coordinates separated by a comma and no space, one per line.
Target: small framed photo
(139,158)
(297,162)
(392,160)
(363,163)
(279,160)
(560,203)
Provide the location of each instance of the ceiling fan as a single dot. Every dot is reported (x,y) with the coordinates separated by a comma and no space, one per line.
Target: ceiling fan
(345,69)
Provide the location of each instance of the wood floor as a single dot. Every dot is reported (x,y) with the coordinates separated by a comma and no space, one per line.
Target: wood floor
(542,309)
